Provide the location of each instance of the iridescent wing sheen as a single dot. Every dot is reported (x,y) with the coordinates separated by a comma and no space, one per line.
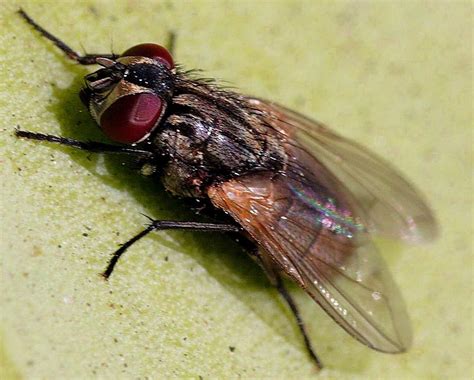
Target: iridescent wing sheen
(313,218)
(386,203)
(310,232)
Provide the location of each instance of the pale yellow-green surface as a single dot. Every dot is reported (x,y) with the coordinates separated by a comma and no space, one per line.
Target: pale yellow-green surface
(395,76)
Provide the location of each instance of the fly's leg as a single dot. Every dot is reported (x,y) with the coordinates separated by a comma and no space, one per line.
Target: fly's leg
(89,146)
(157,225)
(294,309)
(276,280)
(171,42)
(86,59)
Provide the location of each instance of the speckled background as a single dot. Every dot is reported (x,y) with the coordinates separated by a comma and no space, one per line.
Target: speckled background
(394,76)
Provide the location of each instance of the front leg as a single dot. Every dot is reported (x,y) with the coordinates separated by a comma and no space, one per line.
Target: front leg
(89,146)
(86,59)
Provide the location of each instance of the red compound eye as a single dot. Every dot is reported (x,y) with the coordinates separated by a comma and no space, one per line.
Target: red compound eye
(131,118)
(152,51)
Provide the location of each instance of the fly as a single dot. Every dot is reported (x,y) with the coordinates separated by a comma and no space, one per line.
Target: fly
(304,200)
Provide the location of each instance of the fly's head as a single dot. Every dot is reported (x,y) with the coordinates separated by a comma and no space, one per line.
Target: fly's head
(129,95)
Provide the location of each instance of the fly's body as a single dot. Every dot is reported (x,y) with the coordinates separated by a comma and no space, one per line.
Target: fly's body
(206,134)
(207,139)
(304,200)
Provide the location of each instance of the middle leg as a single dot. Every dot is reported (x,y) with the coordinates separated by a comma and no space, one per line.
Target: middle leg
(156,225)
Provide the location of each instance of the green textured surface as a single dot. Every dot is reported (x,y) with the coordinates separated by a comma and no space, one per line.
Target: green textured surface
(395,76)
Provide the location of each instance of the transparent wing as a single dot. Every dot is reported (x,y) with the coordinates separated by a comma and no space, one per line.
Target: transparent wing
(311,233)
(385,201)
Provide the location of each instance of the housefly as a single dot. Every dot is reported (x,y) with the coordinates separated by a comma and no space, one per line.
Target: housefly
(303,199)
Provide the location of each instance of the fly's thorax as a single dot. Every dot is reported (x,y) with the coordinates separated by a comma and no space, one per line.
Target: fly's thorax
(184,180)
(207,147)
